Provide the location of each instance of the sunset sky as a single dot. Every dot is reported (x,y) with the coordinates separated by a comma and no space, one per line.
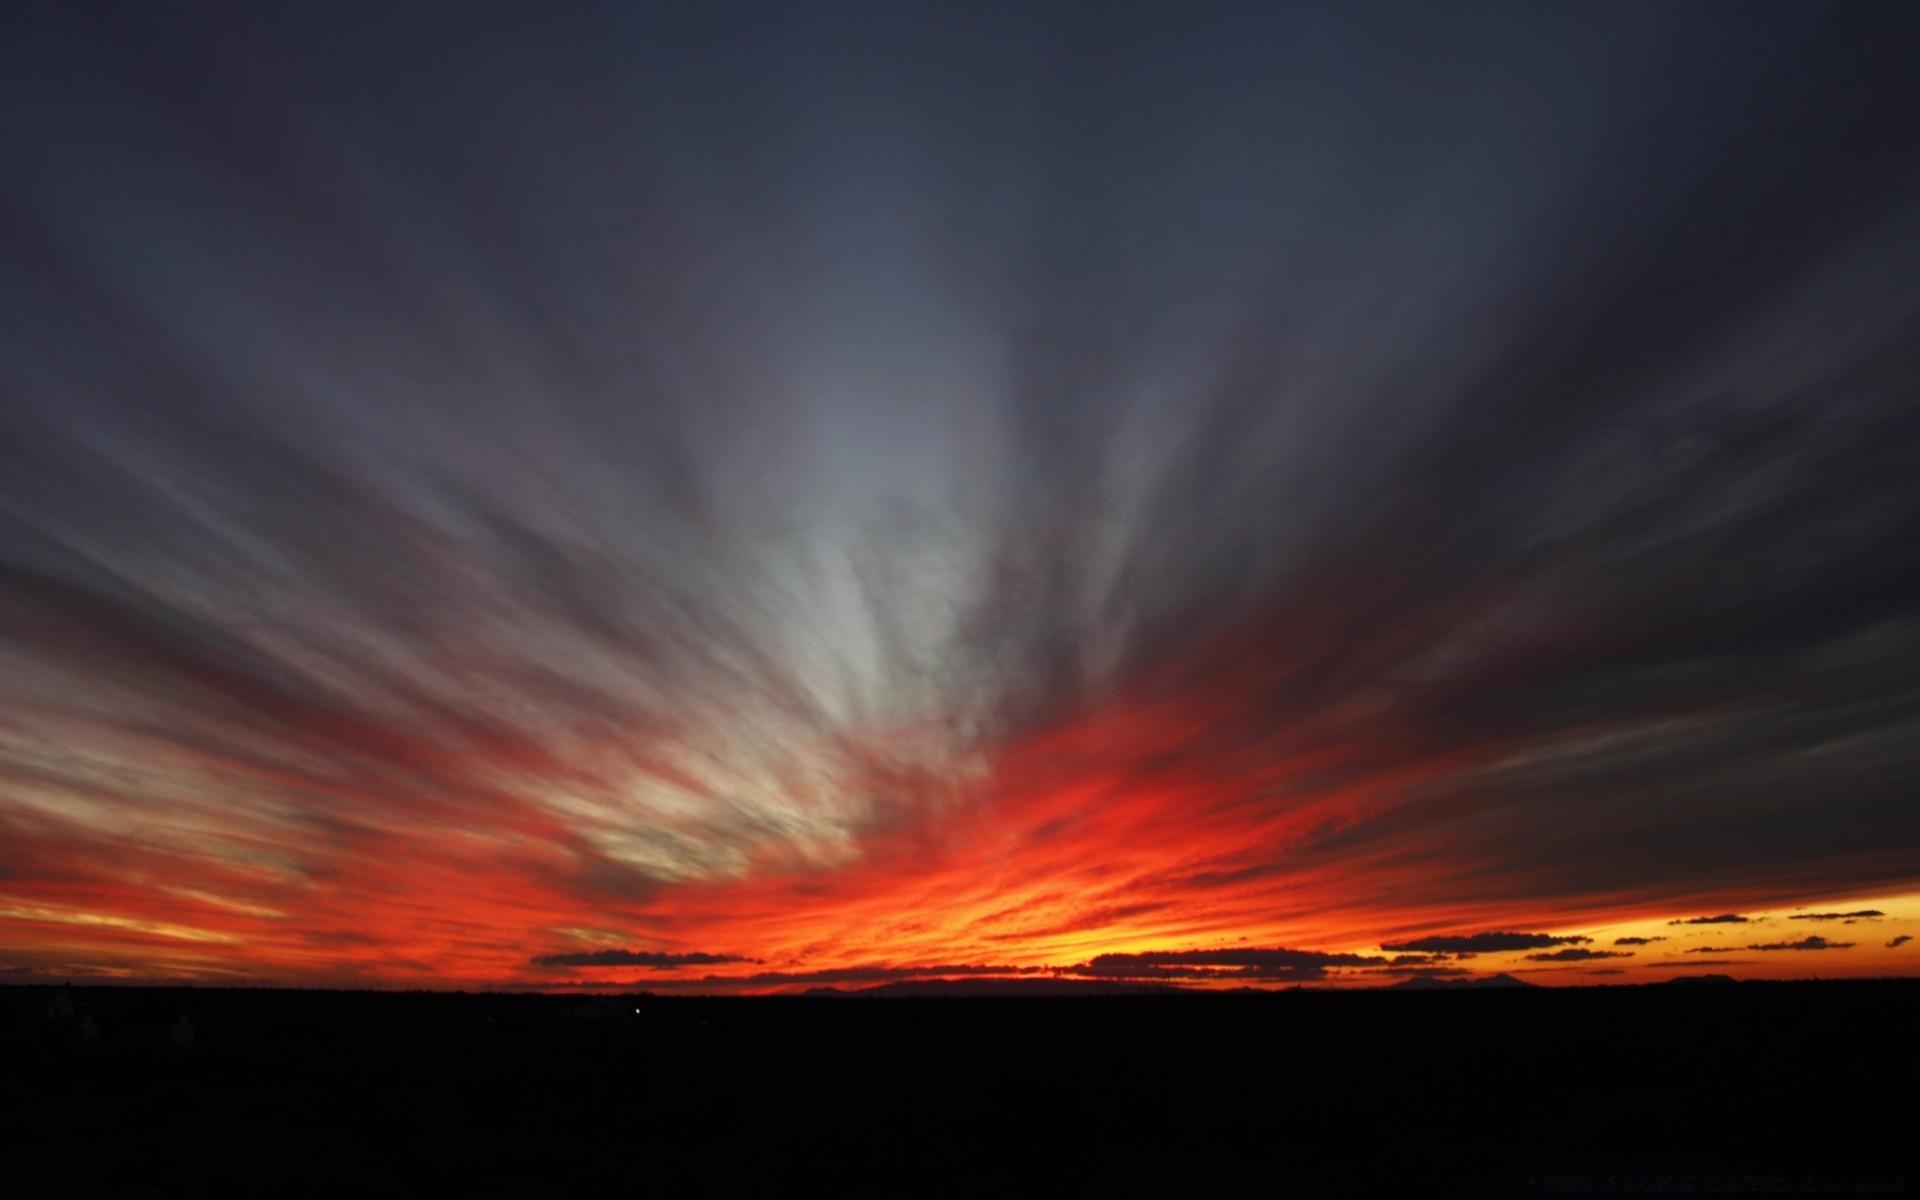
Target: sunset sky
(755,497)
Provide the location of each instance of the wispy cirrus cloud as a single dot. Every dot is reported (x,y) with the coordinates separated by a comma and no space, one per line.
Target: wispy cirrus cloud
(1461,479)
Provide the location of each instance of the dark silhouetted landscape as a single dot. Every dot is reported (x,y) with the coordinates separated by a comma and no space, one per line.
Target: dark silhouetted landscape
(1488,1091)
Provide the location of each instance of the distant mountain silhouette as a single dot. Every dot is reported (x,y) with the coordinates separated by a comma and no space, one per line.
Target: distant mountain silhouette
(1703,979)
(1437,983)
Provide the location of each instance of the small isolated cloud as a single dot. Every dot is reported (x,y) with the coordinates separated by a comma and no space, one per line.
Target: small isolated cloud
(1814,942)
(1575,954)
(1637,941)
(658,960)
(1902,940)
(1484,943)
(1722,919)
(1863,914)
(1714,950)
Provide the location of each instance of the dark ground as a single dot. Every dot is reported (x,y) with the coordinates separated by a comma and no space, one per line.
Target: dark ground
(1752,1086)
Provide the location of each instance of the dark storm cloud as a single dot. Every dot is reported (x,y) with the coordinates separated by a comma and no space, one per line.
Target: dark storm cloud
(1815,942)
(1485,943)
(659,960)
(609,430)
(1575,954)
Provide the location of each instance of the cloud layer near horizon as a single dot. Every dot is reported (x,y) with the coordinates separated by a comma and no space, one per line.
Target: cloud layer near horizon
(959,486)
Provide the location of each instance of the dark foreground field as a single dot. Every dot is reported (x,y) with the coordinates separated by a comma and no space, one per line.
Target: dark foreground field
(1747,1088)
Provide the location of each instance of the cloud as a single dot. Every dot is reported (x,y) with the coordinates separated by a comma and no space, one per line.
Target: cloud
(1050,985)
(1637,941)
(1712,950)
(1578,955)
(1235,964)
(659,960)
(1722,919)
(1902,940)
(1484,943)
(1862,914)
(1814,942)
(835,976)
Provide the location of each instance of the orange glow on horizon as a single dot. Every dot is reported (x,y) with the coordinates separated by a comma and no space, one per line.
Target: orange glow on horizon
(1084,842)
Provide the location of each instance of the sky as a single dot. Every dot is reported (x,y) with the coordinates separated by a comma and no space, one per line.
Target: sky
(747,497)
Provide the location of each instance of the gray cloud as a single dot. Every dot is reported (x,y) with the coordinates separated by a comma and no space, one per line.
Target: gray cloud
(1485,943)
(659,960)
(1577,954)
(862,975)
(1815,942)
(1235,964)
